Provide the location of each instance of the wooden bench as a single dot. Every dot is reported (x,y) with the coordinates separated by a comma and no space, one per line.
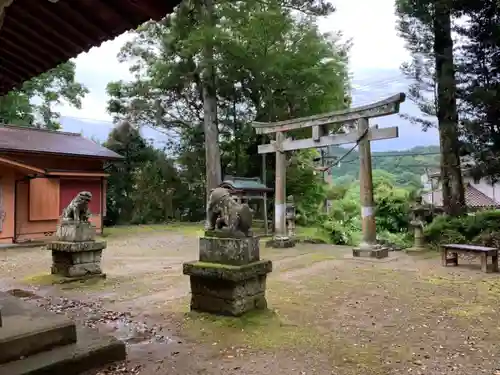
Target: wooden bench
(482,251)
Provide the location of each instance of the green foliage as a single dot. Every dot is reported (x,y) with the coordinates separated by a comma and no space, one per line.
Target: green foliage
(392,210)
(402,239)
(156,190)
(307,187)
(271,63)
(33,104)
(479,75)
(427,28)
(406,166)
(126,141)
(481,228)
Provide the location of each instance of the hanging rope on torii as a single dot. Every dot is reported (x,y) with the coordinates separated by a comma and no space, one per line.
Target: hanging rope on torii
(355,123)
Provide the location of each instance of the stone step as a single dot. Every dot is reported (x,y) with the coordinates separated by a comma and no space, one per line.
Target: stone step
(27,330)
(91,351)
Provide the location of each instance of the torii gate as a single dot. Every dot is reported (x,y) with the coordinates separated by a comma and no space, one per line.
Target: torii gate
(355,122)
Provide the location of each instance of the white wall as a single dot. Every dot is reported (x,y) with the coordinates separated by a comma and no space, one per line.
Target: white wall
(483,186)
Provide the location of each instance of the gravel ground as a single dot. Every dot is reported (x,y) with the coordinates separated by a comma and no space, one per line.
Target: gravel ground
(330,314)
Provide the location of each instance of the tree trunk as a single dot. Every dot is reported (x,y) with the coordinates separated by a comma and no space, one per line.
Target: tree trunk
(213,164)
(451,174)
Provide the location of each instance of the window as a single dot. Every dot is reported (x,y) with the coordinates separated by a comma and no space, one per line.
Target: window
(44,199)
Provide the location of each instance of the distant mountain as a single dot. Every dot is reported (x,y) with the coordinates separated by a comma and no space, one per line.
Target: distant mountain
(407,166)
(409,135)
(100,130)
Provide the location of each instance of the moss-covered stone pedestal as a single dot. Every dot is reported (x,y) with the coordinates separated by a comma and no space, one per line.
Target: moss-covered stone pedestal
(229,278)
(281,242)
(75,252)
(419,241)
(376,251)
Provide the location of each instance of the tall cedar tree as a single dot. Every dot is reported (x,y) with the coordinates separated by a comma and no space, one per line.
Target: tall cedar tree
(479,72)
(427,26)
(271,63)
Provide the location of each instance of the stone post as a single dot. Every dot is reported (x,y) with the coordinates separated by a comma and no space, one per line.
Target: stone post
(368,245)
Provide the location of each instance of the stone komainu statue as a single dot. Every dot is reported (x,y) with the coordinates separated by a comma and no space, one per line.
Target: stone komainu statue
(78,209)
(225,211)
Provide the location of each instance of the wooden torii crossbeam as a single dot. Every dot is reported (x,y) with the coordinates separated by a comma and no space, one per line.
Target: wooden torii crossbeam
(355,122)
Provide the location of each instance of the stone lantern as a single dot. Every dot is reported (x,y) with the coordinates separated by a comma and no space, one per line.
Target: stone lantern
(419,212)
(290,216)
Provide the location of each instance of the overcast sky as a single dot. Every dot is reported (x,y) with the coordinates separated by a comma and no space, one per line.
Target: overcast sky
(376,55)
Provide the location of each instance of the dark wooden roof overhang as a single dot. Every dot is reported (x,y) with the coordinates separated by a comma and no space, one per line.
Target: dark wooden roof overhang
(38,35)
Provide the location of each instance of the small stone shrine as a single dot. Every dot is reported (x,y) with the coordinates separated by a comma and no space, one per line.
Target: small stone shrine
(229,278)
(75,252)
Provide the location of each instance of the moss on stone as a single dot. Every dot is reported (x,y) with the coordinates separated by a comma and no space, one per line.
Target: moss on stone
(67,283)
(215,265)
(227,272)
(258,329)
(43,279)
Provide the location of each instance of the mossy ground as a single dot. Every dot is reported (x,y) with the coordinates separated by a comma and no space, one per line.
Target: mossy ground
(327,313)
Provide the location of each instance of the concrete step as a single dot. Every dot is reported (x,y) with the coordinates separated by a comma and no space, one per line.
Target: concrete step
(28,330)
(91,351)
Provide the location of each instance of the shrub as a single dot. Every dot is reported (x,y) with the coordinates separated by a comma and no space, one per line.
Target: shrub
(401,239)
(480,228)
(489,238)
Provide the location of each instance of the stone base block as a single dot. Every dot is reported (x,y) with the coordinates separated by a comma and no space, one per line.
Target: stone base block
(226,271)
(281,242)
(25,335)
(235,251)
(236,307)
(226,233)
(76,247)
(91,352)
(76,264)
(34,341)
(75,231)
(375,251)
(227,289)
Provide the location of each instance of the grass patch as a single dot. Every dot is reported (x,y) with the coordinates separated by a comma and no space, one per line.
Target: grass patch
(270,331)
(314,234)
(43,279)
(309,260)
(260,329)
(470,310)
(130,230)
(96,283)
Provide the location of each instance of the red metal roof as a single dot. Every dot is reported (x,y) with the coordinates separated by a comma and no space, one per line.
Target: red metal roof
(38,35)
(20,139)
(473,198)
